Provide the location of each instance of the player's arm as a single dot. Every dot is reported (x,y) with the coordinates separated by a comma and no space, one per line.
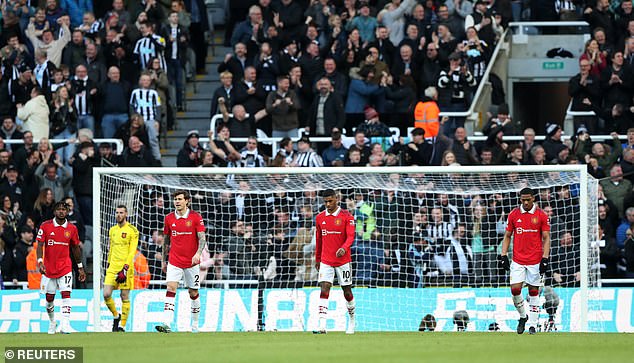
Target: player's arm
(546,244)
(506,243)
(503,258)
(166,248)
(349,238)
(134,242)
(318,244)
(40,253)
(202,242)
(76,256)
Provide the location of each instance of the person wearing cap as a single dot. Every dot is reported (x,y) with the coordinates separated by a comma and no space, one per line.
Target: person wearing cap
(191,152)
(418,152)
(483,22)
(501,120)
(552,144)
(365,23)
(12,185)
(305,156)
(454,84)
(108,158)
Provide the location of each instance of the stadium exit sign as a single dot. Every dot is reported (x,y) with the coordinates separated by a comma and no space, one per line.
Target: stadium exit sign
(552,65)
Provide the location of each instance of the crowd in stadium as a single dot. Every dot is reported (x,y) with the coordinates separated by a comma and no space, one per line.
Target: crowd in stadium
(77,70)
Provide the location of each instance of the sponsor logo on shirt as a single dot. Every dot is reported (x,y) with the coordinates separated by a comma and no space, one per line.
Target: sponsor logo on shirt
(326,232)
(520,230)
(174,233)
(51,242)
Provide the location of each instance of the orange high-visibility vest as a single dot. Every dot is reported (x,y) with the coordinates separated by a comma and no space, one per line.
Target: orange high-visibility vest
(141,271)
(33,274)
(426,117)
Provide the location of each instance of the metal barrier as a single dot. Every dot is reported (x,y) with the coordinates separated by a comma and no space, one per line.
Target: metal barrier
(23,284)
(118,142)
(522,25)
(225,283)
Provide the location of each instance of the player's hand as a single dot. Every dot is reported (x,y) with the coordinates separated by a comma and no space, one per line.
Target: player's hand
(41,267)
(164,267)
(341,252)
(196,259)
(543,266)
(82,275)
(503,262)
(317,266)
(123,274)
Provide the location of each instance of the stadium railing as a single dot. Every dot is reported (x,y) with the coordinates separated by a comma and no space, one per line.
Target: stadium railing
(22,284)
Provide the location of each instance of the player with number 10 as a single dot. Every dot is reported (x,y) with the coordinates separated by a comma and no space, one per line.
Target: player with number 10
(335,232)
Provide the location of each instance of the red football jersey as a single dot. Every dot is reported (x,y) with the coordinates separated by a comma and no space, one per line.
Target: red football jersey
(56,240)
(183,237)
(527,228)
(334,231)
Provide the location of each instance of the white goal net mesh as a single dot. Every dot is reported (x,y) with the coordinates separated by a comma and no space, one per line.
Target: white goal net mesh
(415,230)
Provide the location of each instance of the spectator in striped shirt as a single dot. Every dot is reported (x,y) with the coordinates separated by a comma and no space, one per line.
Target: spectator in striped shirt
(149,46)
(146,102)
(84,90)
(305,156)
(90,26)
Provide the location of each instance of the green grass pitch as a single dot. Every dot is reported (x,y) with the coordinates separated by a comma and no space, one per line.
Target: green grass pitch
(337,347)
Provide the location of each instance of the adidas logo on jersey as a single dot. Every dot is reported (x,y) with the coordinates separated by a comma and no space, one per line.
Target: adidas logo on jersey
(52,233)
(324,222)
(173,224)
(519,221)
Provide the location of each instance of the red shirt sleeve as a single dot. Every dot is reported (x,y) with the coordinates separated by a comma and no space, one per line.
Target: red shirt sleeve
(350,232)
(545,222)
(317,241)
(200,225)
(166,225)
(74,237)
(40,234)
(509,222)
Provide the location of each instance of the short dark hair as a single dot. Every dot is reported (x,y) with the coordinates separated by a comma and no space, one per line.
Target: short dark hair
(182,192)
(61,203)
(527,191)
(328,193)
(285,141)
(122,206)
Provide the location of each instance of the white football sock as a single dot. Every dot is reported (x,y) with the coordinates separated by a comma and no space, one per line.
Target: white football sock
(65,311)
(323,313)
(533,310)
(351,306)
(195,310)
(50,310)
(168,310)
(518,300)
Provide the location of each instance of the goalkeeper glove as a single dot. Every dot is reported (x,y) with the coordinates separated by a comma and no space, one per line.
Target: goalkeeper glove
(503,262)
(123,274)
(543,266)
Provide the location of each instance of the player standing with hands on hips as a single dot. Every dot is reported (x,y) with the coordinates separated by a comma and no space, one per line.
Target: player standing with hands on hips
(530,228)
(58,237)
(184,232)
(335,232)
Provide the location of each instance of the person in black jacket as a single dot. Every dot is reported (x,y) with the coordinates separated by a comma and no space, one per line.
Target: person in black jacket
(236,62)
(85,159)
(332,118)
(20,251)
(583,86)
(190,155)
(137,155)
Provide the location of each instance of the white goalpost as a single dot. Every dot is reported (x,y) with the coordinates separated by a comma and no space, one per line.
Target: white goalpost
(426,243)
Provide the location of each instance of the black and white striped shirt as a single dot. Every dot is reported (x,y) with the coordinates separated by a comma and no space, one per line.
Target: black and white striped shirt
(95,27)
(82,100)
(564,6)
(150,47)
(145,102)
(308,159)
(440,231)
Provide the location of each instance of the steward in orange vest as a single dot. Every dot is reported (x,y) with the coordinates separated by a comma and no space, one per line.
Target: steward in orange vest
(141,271)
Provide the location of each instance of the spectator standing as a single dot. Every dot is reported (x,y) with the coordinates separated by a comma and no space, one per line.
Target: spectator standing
(35,114)
(116,93)
(282,105)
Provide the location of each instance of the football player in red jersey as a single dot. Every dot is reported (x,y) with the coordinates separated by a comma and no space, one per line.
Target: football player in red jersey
(184,232)
(58,237)
(530,228)
(335,232)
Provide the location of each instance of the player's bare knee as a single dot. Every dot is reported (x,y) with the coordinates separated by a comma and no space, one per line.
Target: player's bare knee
(107,294)
(125,294)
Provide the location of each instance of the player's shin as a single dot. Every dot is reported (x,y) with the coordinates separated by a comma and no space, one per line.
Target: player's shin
(195,311)
(533,307)
(518,301)
(168,310)
(50,306)
(350,303)
(323,310)
(125,311)
(111,306)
